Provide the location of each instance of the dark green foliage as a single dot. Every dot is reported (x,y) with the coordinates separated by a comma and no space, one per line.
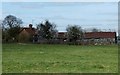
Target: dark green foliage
(14,31)
(47,30)
(74,33)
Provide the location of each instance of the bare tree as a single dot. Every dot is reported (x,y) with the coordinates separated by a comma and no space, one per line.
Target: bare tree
(11,27)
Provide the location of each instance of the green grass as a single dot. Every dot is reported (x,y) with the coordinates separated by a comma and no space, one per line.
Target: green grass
(37,58)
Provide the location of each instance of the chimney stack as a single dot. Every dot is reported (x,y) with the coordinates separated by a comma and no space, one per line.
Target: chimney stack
(30,26)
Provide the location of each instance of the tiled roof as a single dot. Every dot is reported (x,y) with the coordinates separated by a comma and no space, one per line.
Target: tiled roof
(29,30)
(61,34)
(100,35)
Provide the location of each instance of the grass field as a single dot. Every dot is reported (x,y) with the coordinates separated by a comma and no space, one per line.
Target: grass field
(37,58)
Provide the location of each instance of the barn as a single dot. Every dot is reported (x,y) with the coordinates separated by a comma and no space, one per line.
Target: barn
(100,38)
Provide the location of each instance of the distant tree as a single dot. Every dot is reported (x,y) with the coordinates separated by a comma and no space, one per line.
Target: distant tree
(11,27)
(11,21)
(47,30)
(0,30)
(118,37)
(95,30)
(74,33)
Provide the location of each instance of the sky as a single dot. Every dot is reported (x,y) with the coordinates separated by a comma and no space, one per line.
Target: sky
(101,15)
(60,0)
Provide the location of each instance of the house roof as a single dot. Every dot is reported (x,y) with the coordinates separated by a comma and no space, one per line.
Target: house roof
(100,35)
(62,34)
(29,30)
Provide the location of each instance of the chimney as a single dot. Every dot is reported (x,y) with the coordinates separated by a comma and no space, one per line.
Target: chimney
(30,26)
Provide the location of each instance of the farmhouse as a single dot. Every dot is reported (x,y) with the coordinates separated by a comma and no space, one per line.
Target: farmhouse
(26,34)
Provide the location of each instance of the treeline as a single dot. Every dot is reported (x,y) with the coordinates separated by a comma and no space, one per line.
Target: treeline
(11,26)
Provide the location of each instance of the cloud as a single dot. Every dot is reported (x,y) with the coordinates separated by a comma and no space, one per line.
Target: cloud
(60,0)
(109,13)
(43,5)
(64,13)
(111,20)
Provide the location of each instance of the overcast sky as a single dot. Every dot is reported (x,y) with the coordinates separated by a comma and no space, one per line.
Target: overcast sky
(101,15)
(60,0)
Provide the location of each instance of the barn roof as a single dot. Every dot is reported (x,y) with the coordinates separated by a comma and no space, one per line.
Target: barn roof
(62,34)
(100,35)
